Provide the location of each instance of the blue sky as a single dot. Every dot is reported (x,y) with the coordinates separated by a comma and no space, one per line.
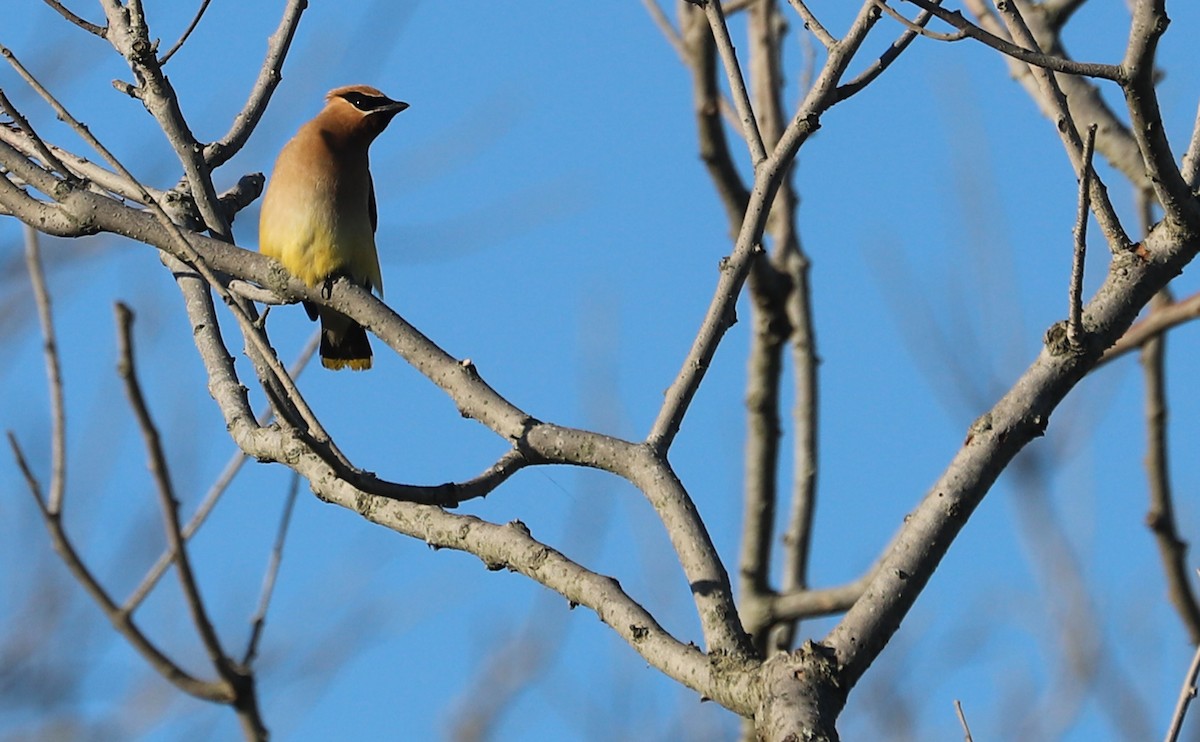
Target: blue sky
(543,212)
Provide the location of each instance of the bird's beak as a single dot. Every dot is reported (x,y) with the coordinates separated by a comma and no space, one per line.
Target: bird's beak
(395,107)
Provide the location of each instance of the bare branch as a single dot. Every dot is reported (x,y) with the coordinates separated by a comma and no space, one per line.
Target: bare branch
(259,620)
(162,61)
(28,171)
(1113,139)
(991,443)
(43,152)
(54,380)
(102,179)
(1191,158)
(224,479)
(1058,12)
(1075,316)
(1068,131)
(962,720)
(236,677)
(49,218)
(1171,188)
(535,441)
(157,462)
(665,27)
(1157,322)
(130,36)
(814,25)
(917,27)
(768,175)
(877,68)
(183,249)
(1160,518)
(218,153)
(701,58)
(737,83)
(511,547)
(91,28)
(121,621)
(1186,694)
(828,601)
(1029,55)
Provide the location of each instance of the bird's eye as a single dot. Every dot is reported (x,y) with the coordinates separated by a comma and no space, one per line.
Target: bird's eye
(359,101)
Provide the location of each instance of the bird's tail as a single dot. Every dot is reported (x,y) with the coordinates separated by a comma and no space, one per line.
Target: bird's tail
(344,343)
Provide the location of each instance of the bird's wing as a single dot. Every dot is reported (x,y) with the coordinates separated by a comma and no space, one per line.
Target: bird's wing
(371,204)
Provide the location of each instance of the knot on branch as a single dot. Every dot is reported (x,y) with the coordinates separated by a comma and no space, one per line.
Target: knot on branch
(1056,340)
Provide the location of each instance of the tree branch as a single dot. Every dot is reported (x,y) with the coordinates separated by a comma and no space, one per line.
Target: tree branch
(54,379)
(162,61)
(259,620)
(1028,54)
(1160,518)
(813,25)
(1068,131)
(88,26)
(209,691)
(224,479)
(129,35)
(737,83)
(1157,322)
(768,175)
(218,153)
(1186,694)
(1172,190)
(1075,316)
(157,463)
(993,440)
(892,53)
(701,59)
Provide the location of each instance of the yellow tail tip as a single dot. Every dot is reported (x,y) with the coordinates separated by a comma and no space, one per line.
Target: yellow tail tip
(354,364)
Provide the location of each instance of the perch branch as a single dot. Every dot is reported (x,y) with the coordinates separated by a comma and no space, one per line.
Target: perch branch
(1075,316)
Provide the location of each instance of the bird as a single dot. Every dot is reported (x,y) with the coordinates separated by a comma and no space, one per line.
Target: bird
(318,214)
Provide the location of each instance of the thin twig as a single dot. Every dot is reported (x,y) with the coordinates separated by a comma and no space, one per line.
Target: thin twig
(1075,317)
(1186,694)
(187,32)
(665,27)
(890,55)
(1157,322)
(737,83)
(1171,188)
(269,74)
(99,179)
(1160,517)
(1028,55)
(813,25)
(962,719)
(1058,12)
(1191,158)
(224,479)
(130,36)
(768,176)
(918,26)
(157,462)
(701,58)
(1068,131)
(43,151)
(54,379)
(812,603)
(259,620)
(85,25)
(218,692)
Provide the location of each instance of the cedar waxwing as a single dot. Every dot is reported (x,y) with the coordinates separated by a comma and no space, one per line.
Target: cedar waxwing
(318,215)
